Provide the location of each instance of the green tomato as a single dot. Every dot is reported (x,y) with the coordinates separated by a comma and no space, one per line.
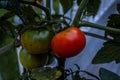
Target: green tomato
(31,61)
(36,41)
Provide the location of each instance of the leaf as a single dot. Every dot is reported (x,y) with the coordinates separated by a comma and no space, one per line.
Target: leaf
(2,12)
(8,28)
(108,75)
(114,22)
(66,4)
(7,15)
(118,7)
(47,74)
(109,52)
(21,10)
(9,69)
(92,7)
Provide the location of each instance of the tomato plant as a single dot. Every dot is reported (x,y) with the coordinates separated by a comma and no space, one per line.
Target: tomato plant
(36,41)
(39,23)
(68,43)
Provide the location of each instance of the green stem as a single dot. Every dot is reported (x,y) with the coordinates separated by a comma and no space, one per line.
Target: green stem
(48,5)
(97,36)
(93,25)
(6,47)
(61,66)
(80,10)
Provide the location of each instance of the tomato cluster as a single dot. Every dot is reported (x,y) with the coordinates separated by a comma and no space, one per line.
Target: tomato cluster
(37,43)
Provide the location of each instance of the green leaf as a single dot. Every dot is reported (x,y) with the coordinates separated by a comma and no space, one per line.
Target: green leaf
(7,15)
(9,69)
(91,8)
(47,74)
(8,28)
(118,7)
(109,52)
(21,10)
(114,21)
(108,75)
(66,4)
(2,12)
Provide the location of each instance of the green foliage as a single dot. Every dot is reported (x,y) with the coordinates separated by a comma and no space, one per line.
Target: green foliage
(20,10)
(66,4)
(111,49)
(56,6)
(90,10)
(47,74)
(32,16)
(109,52)
(108,75)
(8,62)
(92,7)
(118,7)
(114,21)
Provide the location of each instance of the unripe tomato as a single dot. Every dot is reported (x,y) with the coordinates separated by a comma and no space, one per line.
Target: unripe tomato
(36,41)
(32,61)
(68,43)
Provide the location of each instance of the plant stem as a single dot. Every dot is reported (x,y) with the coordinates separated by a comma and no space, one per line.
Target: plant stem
(6,47)
(97,36)
(79,11)
(61,66)
(48,5)
(93,25)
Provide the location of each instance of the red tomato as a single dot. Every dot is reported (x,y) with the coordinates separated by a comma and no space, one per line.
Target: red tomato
(68,43)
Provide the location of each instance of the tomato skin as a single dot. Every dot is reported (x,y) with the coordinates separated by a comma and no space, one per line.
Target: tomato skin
(68,43)
(36,41)
(31,61)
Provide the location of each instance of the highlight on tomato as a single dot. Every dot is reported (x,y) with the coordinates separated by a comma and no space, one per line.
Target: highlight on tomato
(68,43)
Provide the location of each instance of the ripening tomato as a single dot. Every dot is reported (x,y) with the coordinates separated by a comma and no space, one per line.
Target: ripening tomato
(36,41)
(68,43)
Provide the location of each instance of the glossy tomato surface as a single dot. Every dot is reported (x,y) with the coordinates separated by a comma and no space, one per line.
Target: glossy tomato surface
(36,41)
(68,43)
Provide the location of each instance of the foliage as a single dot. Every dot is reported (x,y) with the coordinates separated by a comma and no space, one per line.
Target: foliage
(108,75)
(8,62)
(47,74)
(110,50)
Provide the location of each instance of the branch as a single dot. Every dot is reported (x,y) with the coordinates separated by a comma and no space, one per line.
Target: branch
(97,36)
(6,48)
(79,11)
(93,25)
